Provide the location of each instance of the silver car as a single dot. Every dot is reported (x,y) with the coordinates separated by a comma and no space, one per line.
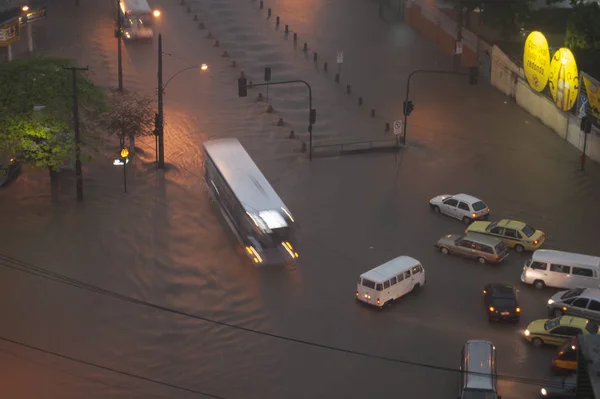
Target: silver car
(581,302)
(484,248)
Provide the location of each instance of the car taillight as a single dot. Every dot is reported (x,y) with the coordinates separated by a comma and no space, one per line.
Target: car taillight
(491,308)
(378,301)
(518,310)
(536,242)
(356,293)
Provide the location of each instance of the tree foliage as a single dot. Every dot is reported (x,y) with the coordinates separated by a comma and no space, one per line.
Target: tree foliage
(583,36)
(129,116)
(43,138)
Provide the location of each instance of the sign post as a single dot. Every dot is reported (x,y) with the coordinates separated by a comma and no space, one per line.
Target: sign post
(124,154)
(340,61)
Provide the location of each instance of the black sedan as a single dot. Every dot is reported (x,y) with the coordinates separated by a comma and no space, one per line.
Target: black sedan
(501,302)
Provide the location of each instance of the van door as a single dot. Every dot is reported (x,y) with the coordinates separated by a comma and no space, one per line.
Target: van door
(387,292)
(559,276)
(583,277)
(406,284)
(393,288)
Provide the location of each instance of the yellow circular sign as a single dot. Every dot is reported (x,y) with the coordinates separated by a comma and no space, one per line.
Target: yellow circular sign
(124,153)
(564,79)
(536,60)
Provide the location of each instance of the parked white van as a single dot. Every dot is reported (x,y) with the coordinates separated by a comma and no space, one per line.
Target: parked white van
(390,281)
(548,268)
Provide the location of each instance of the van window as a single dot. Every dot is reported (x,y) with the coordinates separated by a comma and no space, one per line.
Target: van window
(560,269)
(407,274)
(386,284)
(393,281)
(400,277)
(368,283)
(378,287)
(539,266)
(595,306)
(580,271)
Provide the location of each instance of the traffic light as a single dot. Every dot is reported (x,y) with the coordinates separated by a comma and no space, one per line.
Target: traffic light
(473,75)
(408,107)
(313,116)
(242,87)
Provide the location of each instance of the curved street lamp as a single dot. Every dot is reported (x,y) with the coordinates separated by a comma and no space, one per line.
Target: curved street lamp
(160,123)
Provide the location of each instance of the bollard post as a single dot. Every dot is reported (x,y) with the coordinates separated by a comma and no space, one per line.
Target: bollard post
(315,56)
(269,13)
(259,97)
(242,74)
(303,147)
(261,3)
(305,47)
(337,78)
(201,25)
(359,100)
(292,134)
(325,66)
(277,20)
(348,89)
(216,43)
(209,36)
(387,127)
(295,37)
(372,113)
(195,17)
(189,10)
(233,64)
(287,29)
(280,122)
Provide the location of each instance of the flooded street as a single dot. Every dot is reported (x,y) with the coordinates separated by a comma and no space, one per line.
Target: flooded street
(163,242)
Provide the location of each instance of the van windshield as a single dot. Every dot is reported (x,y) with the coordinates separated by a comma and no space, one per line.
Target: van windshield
(478,394)
(368,283)
(572,293)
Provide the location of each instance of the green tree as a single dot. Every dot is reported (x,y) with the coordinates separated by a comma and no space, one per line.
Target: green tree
(43,138)
(129,116)
(583,36)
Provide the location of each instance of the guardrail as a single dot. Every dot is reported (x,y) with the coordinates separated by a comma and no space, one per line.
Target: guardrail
(354,147)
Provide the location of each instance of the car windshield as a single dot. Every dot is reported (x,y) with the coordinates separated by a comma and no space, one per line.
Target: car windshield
(505,303)
(500,247)
(528,230)
(592,328)
(491,225)
(572,293)
(479,205)
(552,323)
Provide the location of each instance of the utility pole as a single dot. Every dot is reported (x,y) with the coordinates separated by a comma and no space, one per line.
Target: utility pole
(119,35)
(458,44)
(78,172)
(161,124)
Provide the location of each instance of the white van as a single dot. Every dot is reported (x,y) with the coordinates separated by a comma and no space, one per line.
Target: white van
(548,268)
(478,372)
(136,19)
(390,281)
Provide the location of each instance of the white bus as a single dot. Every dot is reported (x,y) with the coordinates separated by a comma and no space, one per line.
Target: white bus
(136,19)
(253,210)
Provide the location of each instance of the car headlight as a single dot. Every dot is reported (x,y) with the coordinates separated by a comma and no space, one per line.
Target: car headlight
(544,392)
(550,301)
(527,333)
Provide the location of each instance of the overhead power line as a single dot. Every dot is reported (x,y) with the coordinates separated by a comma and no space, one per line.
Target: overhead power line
(113,370)
(16,264)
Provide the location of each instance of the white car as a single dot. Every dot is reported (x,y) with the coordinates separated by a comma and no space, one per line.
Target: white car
(460,206)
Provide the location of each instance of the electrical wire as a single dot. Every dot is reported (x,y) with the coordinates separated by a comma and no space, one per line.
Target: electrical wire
(18,265)
(113,370)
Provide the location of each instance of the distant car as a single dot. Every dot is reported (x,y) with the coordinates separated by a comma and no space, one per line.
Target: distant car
(9,171)
(559,330)
(501,302)
(484,248)
(561,388)
(460,206)
(515,234)
(581,302)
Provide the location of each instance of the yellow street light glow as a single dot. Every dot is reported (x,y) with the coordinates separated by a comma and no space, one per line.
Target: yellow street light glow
(204,67)
(25,8)
(156,13)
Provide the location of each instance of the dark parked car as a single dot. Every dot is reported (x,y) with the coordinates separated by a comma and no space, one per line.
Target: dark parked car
(9,170)
(563,388)
(501,302)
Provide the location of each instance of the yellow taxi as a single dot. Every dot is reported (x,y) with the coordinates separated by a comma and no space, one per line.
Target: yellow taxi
(565,360)
(514,234)
(559,330)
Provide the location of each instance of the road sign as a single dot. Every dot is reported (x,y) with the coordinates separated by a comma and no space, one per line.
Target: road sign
(398,127)
(340,57)
(124,153)
(9,33)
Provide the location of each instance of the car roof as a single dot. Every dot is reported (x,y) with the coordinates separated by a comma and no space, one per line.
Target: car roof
(513,224)
(573,321)
(480,365)
(390,269)
(501,290)
(482,239)
(568,258)
(466,197)
(591,293)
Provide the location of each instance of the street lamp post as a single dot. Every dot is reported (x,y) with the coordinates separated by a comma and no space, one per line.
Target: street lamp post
(119,35)
(160,121)
(78,172)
